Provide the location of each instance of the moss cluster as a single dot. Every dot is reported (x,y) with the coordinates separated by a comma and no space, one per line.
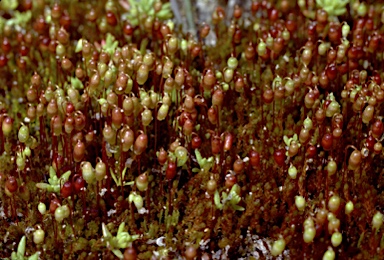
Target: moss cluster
(122,136)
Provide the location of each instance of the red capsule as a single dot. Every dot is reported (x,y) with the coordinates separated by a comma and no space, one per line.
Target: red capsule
(78,183)
(11,184)
(66,189)
(254,158)
(162,156)
(279,156)
(327,142)
(311,151)
(170,173)
(377,128)
(55,203)
(196,142)
(230,180)
(370,142)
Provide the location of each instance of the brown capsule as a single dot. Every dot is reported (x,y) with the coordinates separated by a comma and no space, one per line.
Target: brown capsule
(238,166)
(162,156)
(62,36)
(189,103)
(66,64)
(254,158)
(79,72)
(56,125)
(167,68)
(324,80)
(379,96)
(109,134)
(190,252)
(320,115)
(130,253)
(278,44)
(31,94)
(354,160)
(169,85)
(94,81)
(334,33)
(128,106)
(372,101)
(79,151)
(215,145)
(79,121)
(69,124)
(237,12)
(306,56)
(268,96)
(179,78)
(141,144)
(309,99)
(121,82)
(7,125)
(228,141)
(142,74)
(65,20)
(212,115)
(90,136)
(52,108)
(218,97)
(36,80)
(368,113)
(237,36)
(209,79)
(293,149)
(337,132)
(11,184)
(358,104)
(6,45)
(24,192)
(188,127)
(117,117)
(304,135)
(250,52)
(279,92)
(321,16)
(127,137)
(31,112)
(104,57)
(239,84)
(77,137)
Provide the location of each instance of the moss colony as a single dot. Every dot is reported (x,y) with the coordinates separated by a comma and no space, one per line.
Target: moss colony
(260,136)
